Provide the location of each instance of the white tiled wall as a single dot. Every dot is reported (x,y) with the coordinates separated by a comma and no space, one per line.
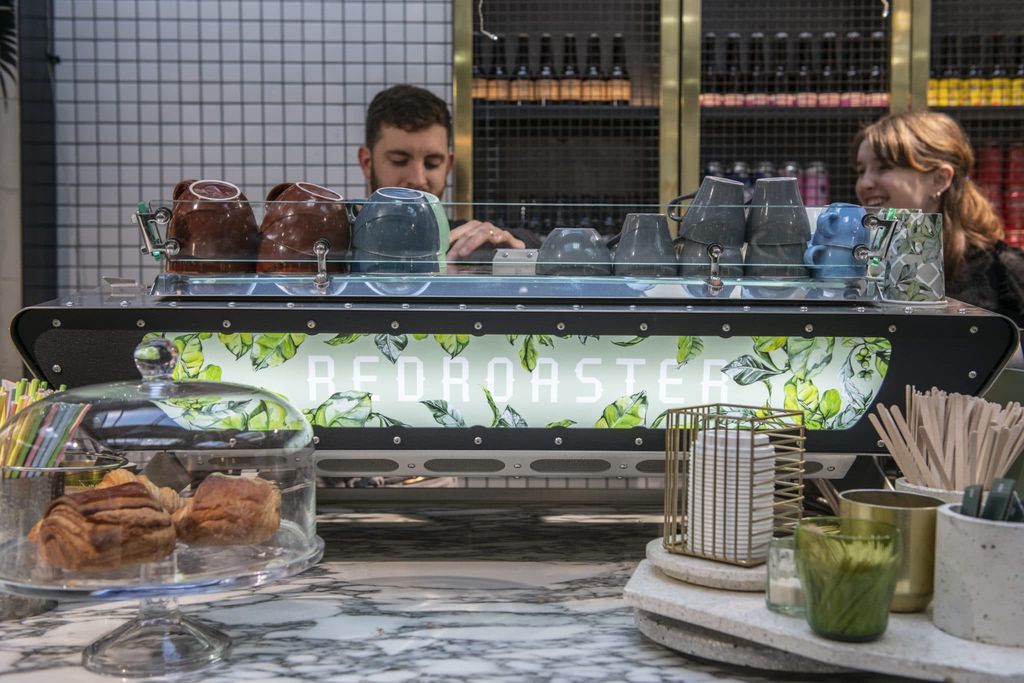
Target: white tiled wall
(149,92)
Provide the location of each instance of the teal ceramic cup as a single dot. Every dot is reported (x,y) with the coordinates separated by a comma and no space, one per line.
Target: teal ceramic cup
(399,230)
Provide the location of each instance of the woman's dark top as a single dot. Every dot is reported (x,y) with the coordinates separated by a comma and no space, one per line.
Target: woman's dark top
(992,279)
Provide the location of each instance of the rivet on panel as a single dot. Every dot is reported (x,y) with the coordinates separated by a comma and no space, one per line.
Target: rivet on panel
(55,322)
(140,323)
(477,440)
(311,324)
(226,324)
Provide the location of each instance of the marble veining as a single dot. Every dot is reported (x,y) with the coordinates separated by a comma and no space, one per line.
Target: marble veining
(498,594)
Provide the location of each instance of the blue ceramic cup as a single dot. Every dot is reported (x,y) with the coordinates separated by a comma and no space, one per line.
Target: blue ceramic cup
(841,225)
(830,261)
(399,230)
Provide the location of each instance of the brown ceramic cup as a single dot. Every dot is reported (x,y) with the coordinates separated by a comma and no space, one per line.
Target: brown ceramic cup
(214,226)
(296,216)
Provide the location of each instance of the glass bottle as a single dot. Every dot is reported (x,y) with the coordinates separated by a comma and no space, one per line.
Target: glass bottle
(545,87)
(972,85)
(522,79)
(734,80)
(569,86)
(877,89)
(710,87)
(1017,78)
(620,87)
(853,85)
(828,83)
(479,77)
(780,92)
(997,92)
(949,80)
(806,92)
(756,94)
(594,82)
(497,75)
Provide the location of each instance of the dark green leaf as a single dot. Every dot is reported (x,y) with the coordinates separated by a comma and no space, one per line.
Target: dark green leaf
(512,338)
(658,420)
(445,415)
(748,369)
(630,342)
(626,412)
(495,413)
(545,340)
(391,345)
(528,354)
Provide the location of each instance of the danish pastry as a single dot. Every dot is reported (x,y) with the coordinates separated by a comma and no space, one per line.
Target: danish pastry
(229,510)
(103,528)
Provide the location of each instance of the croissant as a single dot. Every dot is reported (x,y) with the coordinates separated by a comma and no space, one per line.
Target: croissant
(167,497)
(230,511)
(103,528)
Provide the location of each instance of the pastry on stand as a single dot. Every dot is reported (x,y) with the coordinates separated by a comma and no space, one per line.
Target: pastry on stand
(222,496)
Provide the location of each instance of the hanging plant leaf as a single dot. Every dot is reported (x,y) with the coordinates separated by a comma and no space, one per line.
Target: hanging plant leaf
(342,339)
(585,337)
(512,338)
(545,340)
(238,344)
(748,369)
(271,350)
(630,342)
(528,354)
(453,344)
(420,337)
(658,420)
(560,423)
(343,409)
(688,348)
(391,345)
(625,413)
(444,415)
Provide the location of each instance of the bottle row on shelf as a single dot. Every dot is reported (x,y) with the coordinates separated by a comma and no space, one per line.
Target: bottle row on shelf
(814,180)
(540,82)
(977,71)
(757,72)
(999,172)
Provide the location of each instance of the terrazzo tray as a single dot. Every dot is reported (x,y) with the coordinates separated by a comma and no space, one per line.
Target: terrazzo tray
(911,646)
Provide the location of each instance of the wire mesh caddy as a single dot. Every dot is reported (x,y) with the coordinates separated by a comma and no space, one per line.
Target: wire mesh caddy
(733,480)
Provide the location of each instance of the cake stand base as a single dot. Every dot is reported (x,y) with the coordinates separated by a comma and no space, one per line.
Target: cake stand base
(159,641)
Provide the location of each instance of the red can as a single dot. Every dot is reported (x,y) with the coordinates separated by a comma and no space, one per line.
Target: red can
(814,185)
(990,165)
(1013,212)
(1015,165)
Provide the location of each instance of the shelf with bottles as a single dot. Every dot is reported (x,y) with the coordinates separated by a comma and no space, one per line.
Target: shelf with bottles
(545,85)
(780,75)
(507,112)
(977,72)
(742,114)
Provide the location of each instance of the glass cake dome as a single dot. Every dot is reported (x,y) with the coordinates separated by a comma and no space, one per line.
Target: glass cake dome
(152,489)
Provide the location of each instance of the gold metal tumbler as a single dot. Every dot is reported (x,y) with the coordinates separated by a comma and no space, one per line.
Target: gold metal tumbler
(914,515)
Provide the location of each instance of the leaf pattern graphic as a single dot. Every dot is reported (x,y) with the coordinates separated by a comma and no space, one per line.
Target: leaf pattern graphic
(528,354)
(391,345)
(238,344)
(748,369)
(688,348)
(808,356)
(385,421)
(215,413)
(271,350)
(190,356)
(625,413)
(512,338)
(630,342)
(342,339)
(211,373)
(560,423)
(444,415)
(505,418)
(659,420)
(768,344)
(585,337)
(343,409)
(454,344)
(420,337)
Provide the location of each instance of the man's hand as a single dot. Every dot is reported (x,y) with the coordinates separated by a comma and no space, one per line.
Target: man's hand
(472,235)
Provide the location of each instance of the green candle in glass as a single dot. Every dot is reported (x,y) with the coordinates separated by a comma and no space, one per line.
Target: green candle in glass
(848,570)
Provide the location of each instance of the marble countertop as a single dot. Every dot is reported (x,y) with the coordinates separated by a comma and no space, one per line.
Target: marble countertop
(460,594)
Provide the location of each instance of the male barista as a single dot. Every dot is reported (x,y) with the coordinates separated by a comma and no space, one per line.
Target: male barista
(408,130)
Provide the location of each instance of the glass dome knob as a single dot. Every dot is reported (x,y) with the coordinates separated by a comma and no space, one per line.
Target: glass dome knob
(156,358)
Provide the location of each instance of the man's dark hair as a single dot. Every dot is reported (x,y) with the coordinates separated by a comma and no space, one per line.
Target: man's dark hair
(407,107)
